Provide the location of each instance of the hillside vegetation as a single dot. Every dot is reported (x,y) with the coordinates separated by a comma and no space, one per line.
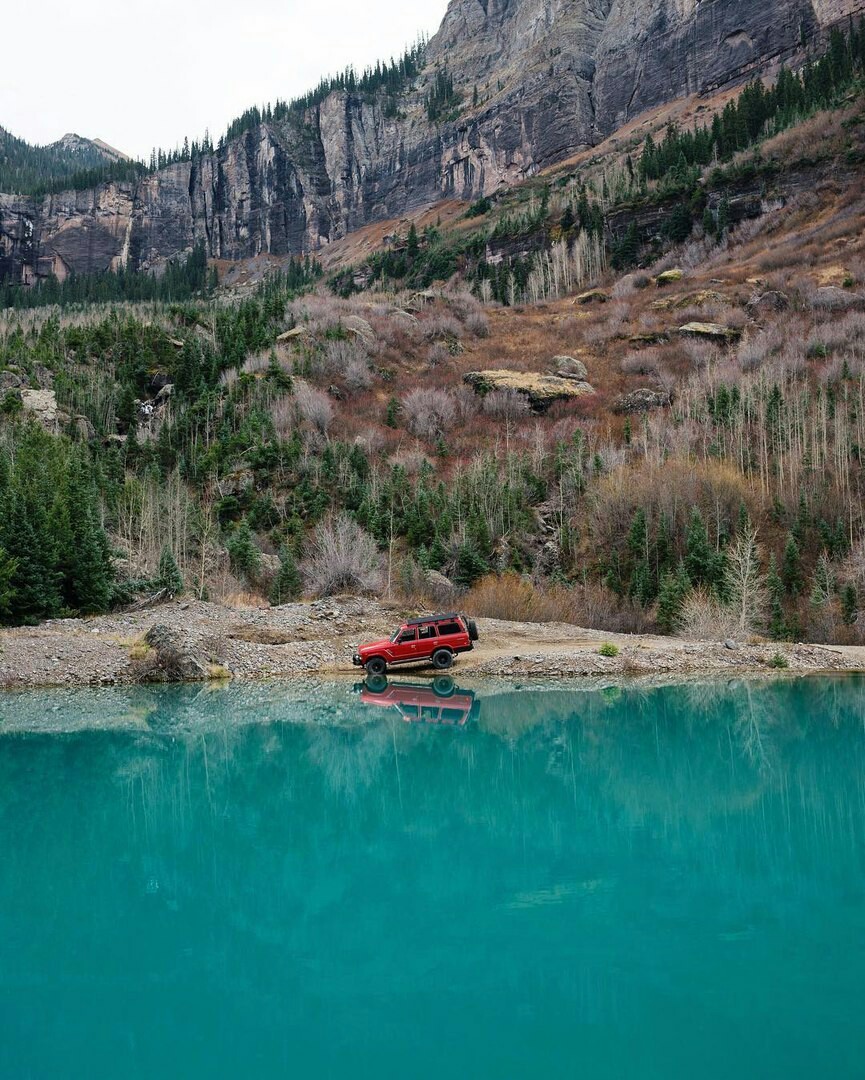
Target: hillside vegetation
(311,437)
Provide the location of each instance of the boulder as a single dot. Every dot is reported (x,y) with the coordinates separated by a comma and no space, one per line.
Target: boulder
(642,400)
(694,299)
(236,482)
(440,584)
(42,406)
(723,335)
(84,428)
(43,376)
(669,277)
(290,335)
(644,341)
(832,298)
(172,658)
(360,327)
(568,367)
(541,390)
(165,393)
(592,296)
(773,300)
(9,380)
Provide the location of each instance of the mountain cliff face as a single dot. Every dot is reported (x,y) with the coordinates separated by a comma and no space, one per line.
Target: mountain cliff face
(538,79)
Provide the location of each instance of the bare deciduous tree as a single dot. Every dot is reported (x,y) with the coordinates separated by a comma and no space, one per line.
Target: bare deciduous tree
(745,585)
(342,558)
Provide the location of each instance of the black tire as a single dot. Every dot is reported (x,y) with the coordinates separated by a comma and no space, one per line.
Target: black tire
(442,659)
(376,684)
(443,686)
(376,666)
(473,630)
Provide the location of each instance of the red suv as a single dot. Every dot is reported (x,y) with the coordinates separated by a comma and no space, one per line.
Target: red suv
(438,638)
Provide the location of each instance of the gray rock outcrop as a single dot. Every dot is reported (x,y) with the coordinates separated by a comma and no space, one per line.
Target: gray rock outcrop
(538,79)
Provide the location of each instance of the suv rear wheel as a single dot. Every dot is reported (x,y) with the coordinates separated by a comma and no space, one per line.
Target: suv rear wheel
(376,666)
(442,659)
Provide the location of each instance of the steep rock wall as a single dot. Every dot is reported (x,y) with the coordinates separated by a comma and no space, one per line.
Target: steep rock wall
(550,76)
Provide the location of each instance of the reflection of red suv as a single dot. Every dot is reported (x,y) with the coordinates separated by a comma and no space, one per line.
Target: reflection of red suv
(438,638)
(422,704)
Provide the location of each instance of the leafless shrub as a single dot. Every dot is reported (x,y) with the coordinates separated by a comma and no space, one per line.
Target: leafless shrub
(283,413)
(342,558)
(617,316)
(339,355)
(371,440)
(228,379)
(467,403)
(437,354)
(516,599)
(505,405)
(705,618)
(623,288)
(463,304)
(754,349)
(439,324)
(429,413)
(478,324)
(358,374)
(702,354)
(314,406)
(256,363)
(640,363)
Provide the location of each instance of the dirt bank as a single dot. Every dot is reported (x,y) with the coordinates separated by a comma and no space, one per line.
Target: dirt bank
(319,638)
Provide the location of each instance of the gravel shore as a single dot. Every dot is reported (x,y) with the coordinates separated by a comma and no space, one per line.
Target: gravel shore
(319,638)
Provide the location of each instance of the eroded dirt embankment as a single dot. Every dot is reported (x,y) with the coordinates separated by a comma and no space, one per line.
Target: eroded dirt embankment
(319,638)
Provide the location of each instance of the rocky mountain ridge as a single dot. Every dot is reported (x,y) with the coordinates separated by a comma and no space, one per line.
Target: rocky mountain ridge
(538,80)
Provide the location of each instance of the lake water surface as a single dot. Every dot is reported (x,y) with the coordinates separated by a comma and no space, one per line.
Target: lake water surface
(312,881)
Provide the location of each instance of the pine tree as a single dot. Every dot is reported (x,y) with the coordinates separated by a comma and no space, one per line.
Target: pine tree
(7,589)
(775,590)
(470,564)
(671,597)
(791,567)
(287,584)
(169,577)
(700,557)
(84,555)
(243,553)
(849,603)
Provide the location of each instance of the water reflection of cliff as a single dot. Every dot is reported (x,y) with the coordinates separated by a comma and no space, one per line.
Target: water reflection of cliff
(290,845)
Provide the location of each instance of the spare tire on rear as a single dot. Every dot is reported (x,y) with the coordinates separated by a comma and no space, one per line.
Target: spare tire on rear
(473,629)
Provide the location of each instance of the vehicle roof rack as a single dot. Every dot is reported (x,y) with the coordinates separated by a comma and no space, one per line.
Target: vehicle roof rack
(432,618)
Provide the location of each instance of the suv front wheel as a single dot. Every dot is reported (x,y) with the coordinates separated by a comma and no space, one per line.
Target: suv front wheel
(442,659)
(376,666)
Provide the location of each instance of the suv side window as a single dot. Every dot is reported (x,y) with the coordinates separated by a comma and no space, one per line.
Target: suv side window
(449,628)
(425,632)
(406,635)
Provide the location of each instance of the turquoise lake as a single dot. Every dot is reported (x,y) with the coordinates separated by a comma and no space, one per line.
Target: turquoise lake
(318,881)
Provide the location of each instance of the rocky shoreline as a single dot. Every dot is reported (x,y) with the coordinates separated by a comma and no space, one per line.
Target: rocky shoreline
(189,640)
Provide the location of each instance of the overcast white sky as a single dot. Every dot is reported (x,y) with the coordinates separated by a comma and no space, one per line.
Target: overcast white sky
(144,75)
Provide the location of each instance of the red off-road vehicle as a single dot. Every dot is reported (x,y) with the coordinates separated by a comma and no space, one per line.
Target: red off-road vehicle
(437,638)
